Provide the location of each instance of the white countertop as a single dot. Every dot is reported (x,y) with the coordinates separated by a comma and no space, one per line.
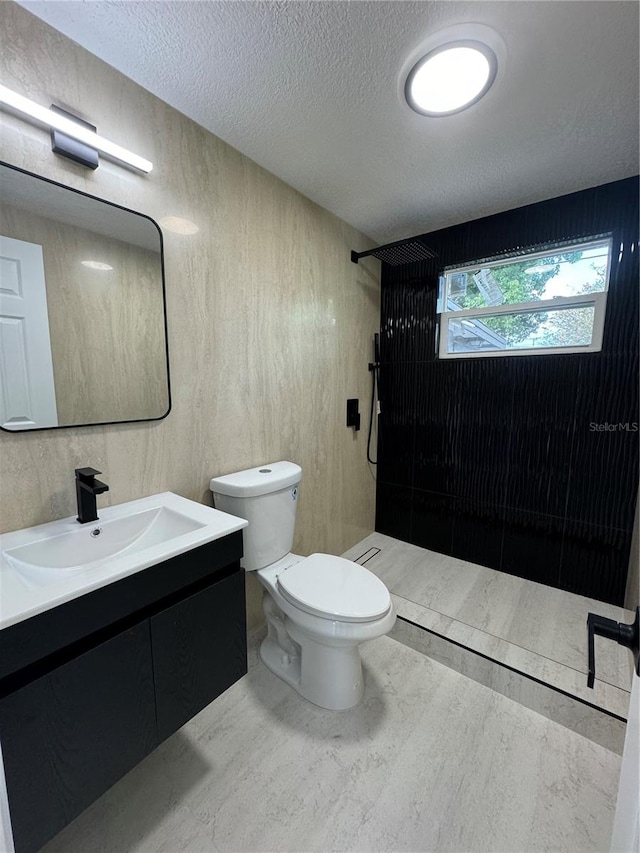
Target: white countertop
(20,599)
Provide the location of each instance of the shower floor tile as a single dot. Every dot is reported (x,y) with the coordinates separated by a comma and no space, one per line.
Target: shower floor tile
(536,629)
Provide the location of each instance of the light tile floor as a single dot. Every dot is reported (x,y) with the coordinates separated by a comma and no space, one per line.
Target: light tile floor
(534,628)
(429,761)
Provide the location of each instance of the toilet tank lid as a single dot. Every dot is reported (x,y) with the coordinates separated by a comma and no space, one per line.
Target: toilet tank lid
(262,480)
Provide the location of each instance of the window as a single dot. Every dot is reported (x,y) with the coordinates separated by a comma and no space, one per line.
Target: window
(547,301)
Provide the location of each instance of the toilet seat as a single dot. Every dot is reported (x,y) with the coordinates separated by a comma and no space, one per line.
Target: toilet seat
(334,588)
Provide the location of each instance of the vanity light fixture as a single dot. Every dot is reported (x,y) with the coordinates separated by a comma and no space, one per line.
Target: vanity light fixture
(96,265)
(13,102)
(451,78)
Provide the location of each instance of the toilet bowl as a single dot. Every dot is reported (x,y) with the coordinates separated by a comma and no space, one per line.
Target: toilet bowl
(319,609)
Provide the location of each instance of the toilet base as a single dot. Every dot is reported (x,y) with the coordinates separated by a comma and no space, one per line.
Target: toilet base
(327,675)
(337,682)
(280,663)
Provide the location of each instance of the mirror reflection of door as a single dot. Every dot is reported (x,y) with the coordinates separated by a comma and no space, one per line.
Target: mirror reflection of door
(27,390)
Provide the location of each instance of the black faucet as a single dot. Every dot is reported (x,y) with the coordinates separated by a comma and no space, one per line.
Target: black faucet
(87,487)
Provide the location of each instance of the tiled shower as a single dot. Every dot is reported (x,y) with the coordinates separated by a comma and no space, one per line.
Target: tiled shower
(504,462)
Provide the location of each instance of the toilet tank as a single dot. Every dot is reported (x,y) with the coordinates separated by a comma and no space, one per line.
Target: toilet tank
(267,497)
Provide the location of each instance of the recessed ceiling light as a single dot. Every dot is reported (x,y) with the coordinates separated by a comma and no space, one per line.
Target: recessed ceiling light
(450,78)
(96,265)
(179,225)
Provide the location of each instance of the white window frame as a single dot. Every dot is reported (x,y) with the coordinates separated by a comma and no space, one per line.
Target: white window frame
(597,301)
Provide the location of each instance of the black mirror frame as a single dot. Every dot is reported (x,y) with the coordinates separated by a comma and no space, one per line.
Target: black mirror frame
(164,305)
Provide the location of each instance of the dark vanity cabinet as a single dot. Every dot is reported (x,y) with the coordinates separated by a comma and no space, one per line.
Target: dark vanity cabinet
(196,657)
(70,734)
(91,687)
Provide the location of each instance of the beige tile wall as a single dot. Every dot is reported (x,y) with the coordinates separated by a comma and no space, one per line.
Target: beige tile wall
(270,324)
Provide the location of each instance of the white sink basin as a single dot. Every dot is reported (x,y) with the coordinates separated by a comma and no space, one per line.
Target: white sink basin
(46,565)
(89,543)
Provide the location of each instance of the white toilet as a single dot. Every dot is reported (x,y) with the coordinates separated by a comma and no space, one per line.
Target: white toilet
(318,608)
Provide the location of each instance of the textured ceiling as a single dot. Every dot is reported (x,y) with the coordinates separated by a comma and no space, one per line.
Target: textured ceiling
(310,90)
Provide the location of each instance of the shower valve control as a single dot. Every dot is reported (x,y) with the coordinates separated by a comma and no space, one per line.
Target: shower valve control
(353,414)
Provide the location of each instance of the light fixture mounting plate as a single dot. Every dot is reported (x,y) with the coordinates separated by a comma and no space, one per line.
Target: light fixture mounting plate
(67,146)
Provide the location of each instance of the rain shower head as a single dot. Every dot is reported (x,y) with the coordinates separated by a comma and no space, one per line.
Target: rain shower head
(401,252)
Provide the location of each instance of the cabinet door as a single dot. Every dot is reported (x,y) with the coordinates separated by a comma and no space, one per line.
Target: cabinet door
(69,735)
(199,649)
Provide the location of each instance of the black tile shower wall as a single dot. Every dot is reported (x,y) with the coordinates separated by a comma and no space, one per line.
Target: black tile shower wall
(395,449)
(526,464)
(544,391)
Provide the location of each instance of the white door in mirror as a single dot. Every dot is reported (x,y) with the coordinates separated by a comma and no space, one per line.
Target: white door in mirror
(27,390)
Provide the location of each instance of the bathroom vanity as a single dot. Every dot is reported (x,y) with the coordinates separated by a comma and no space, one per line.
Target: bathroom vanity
(92,684)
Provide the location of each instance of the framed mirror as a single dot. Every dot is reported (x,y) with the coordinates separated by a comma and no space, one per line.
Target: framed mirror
(83,330)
